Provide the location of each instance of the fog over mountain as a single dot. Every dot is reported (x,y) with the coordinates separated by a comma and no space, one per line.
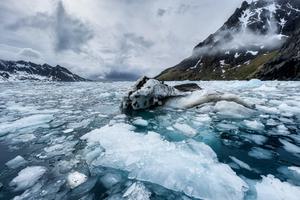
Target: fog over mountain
(105,39)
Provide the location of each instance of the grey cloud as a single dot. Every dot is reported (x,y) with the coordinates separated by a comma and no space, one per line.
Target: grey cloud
(131,44)
(122,76)
(136,40)
(161,12)
(40,21)
(69,33)
(29,53)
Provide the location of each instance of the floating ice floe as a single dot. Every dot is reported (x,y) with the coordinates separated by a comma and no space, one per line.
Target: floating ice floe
(110,179)
(137,191)
(257,139)
(27,177)
(191,167)
(68,130)
(33,121)
(226,109)
(259,153)
(15,139)
(240,163)
(254,125)
(185,129)
(75,179)
(292,173)
(140,122)
(16,162)
(292,148)
(272,188)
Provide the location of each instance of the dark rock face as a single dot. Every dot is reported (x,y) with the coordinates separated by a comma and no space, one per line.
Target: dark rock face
(285,66)
(188,87)
(250,38)
(22,70)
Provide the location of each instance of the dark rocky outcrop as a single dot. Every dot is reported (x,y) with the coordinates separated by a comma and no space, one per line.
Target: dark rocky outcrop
(22,70)
(286,65)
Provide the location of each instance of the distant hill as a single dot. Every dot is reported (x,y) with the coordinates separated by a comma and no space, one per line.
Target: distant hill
(260,40)
(22,70)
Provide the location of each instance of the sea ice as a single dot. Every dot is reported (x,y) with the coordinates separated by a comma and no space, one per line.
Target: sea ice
(254,125)
(110,179)
(226,109)
(137,191)
(16,162)
(203,118)
(240,163)
(257,139)
(185,129)
(28,177)
(14,139)
(68,130)
(75,179)
(294,149)
(259,153)
(191,167)
(272,188)
(30,121)
(282,130)
(292,173)
(140,122)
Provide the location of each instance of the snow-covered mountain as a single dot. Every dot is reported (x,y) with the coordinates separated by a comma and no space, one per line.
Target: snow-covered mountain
(246,45)
(22,70)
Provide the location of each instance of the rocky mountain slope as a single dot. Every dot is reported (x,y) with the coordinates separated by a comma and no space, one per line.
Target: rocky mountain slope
(260,40)
(22,70)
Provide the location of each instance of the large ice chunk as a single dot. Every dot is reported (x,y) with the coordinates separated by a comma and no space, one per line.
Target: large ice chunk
(294,149)
(140,122)
(186,129)
(228,109)
(110,179)
(75,179)
(30,121)
(240,163)
(260,153)
(272,188)
(191,167)
(16,162)
(254,125)
(28,177)
(137,191)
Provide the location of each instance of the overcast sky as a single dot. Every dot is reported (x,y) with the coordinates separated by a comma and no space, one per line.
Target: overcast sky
(108,38)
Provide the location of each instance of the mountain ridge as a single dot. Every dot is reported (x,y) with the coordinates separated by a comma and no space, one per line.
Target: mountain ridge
(26,70)
(247,43)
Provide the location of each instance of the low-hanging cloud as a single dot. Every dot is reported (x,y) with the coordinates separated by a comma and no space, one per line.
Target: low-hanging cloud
(243,38)
(29,53)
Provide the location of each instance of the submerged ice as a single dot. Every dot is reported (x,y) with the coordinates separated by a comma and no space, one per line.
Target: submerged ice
(71,141)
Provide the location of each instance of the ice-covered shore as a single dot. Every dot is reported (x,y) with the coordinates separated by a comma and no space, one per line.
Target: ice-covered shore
(70,141)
